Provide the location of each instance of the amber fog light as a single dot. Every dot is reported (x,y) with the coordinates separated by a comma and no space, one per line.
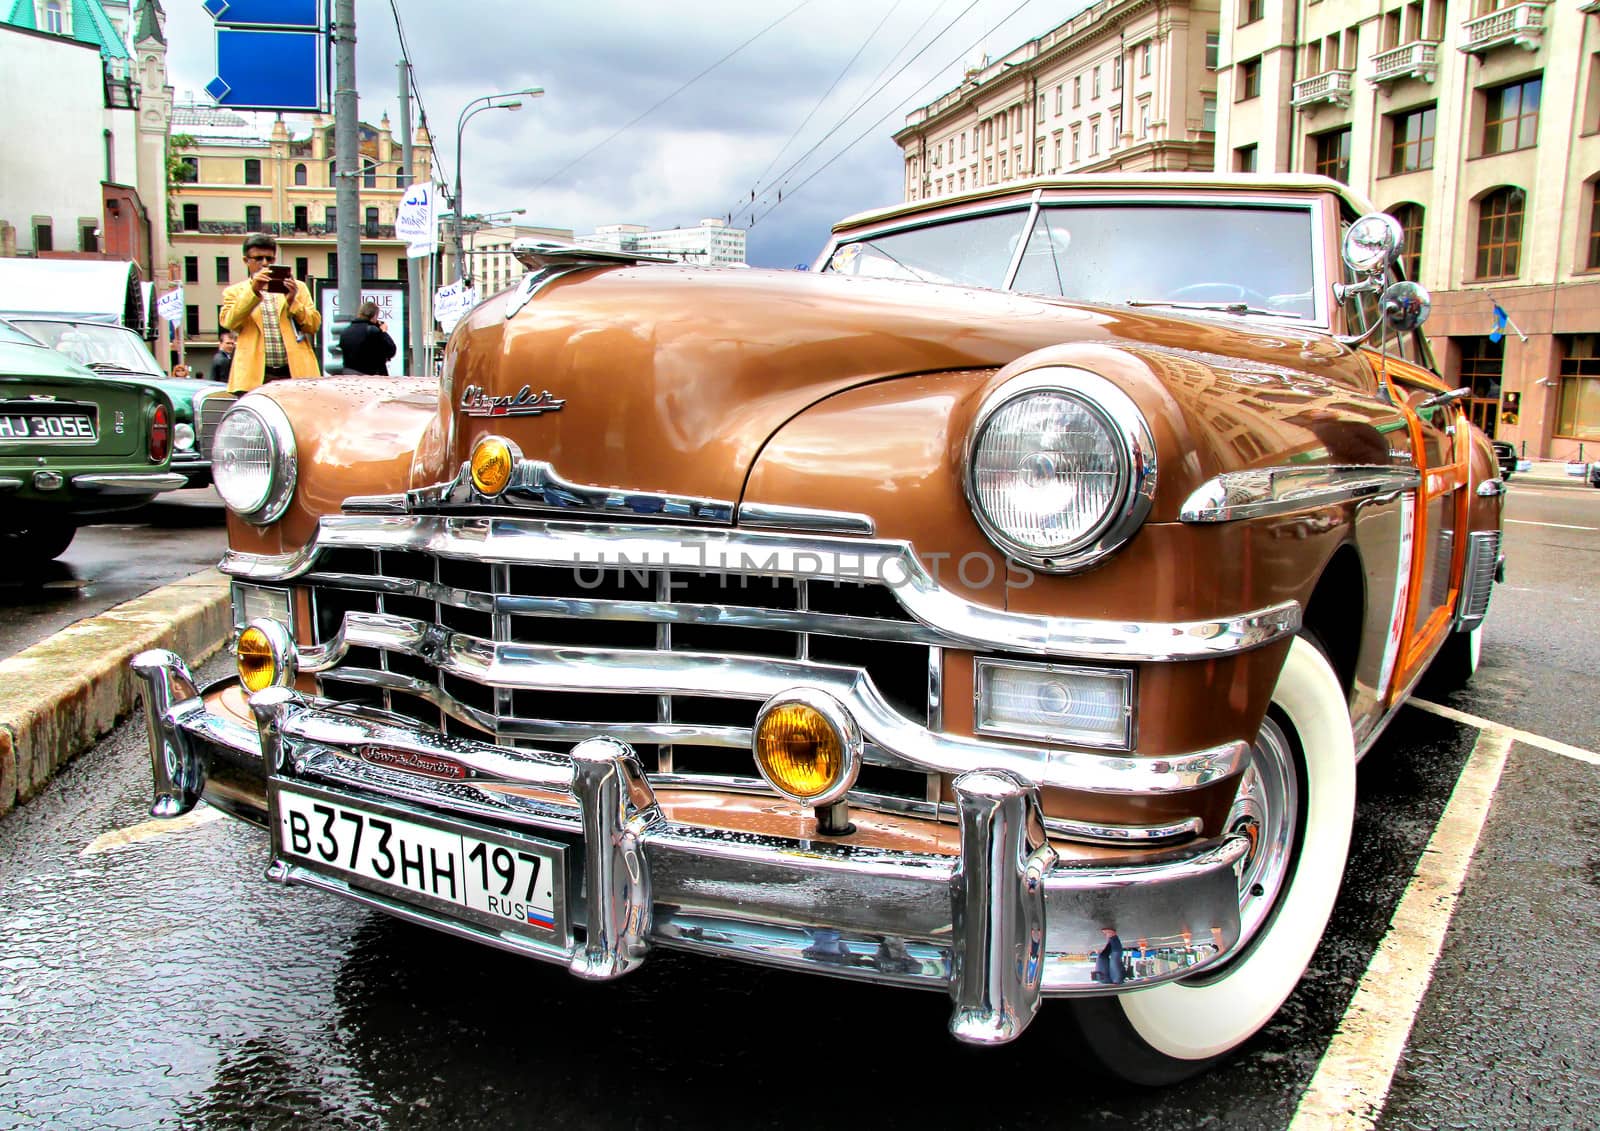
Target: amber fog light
(808,747)
(493,461)
(266,656)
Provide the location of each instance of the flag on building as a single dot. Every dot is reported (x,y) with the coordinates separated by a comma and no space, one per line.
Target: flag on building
(1501,321)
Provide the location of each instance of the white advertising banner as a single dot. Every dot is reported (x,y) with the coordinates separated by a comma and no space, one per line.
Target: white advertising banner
(451,303)
(170,306)
(417,221)
(391,312)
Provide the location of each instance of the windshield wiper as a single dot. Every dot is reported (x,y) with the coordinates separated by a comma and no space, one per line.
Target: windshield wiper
(1220,307)
(102,366)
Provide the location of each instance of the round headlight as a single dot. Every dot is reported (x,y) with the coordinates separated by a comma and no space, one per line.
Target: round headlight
(1060,468)
(253,460)
(807,746)
(183,437)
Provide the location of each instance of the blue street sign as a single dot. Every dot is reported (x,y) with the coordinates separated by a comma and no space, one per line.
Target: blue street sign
(268,70)
(265,13)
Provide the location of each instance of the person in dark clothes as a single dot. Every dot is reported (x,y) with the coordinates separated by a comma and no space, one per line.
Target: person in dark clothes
(1108,966)
(222,362)
(365,345)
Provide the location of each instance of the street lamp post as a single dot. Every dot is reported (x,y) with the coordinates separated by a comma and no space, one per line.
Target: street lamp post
(511,100)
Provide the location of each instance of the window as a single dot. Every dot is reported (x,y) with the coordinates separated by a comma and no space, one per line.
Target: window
(188,170)
(191,320)
(1253,10)
(1077,90)
(1039,109)
(252,170)
(1213,50)
(1094,136)
(1244,159)
(402,265)
(52,17)
(1511,116)
(252,217)
(1116,72)
(1500,233)
(1410,217)
(88,238)
(44,235)
(369,174)
(1144,61)
(1076,147)
(302,218)
(1060,100)
(1482,365)
(300,174)
(1411,144)
(333,265)
(191,269)
(1056,168)
(1333,154)
(1208,114)
(1250,79)
(372,221)
(330,218)
(1593,260)
(1094,85)
(191,217)
(1005,122)
(1003,167)
(222,269)
(1578,403)
(1116,128)
(333,173)
(369,265)
(302,267)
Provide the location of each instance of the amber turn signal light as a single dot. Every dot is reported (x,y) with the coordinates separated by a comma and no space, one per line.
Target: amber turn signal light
(265,655)
(807,747)
(493,460)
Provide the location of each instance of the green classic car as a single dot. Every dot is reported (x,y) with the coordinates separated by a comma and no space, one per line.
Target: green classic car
(73,446)
(117,352)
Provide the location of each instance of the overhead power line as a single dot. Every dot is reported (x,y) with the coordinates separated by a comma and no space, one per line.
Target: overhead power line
(416,92)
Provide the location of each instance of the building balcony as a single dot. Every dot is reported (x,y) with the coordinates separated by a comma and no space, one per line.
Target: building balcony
(1521,25)
(1329,86)
(283,231)
(1416,60)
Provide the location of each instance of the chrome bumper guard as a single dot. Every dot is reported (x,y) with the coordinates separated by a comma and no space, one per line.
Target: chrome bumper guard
(998,926)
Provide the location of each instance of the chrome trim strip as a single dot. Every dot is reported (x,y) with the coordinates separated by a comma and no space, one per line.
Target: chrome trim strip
(1477,579)
(770,516)
(535,484)
(899,742)
(134,483)
(963,624)
(1489,488)
(9,484)
(374,504)
(1236,495)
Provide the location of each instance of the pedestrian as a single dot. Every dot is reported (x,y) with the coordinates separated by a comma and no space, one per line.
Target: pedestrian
(227,342)
(366,344)
(181,371)
(1108,967)
(272,313)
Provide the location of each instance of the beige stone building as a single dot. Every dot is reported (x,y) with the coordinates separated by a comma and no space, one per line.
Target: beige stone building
(1478,126)
(1124,84)
(235,177)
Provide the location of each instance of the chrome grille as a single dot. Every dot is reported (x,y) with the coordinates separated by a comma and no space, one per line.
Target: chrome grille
(209,407)
(633,611)
(1483,562)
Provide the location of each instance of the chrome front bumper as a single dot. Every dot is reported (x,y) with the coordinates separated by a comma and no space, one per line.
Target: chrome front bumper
(998,926)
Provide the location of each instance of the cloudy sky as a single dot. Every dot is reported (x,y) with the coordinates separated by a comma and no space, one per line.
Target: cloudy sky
(644,122)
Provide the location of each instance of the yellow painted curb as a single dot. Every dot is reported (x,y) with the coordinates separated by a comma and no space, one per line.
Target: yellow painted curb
(60,696)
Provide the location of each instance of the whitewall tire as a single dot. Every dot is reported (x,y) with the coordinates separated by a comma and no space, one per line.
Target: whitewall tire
(1307,762)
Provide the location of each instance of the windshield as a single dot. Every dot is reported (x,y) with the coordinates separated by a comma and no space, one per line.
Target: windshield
(1234,258)
(93,344)
(12,336)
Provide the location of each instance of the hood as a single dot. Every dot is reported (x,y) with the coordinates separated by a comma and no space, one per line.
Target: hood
(672,378)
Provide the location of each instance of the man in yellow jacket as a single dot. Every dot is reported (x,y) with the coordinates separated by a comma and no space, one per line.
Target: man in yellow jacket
(274,325)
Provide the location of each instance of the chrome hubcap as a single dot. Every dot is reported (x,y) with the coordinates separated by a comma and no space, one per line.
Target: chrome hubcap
(1265,811)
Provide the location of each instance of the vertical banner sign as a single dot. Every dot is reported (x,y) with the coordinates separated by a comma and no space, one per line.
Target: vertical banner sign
(417,221)
(170,306)
(451,303)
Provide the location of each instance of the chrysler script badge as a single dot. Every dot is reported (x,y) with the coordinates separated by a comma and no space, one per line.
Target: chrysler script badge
(476,401)
(414,762)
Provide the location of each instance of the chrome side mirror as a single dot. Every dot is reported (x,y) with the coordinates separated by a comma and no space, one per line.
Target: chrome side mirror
(1372,244)
(1405,306)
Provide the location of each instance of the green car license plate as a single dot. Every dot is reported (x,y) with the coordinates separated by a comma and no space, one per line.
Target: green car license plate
(35,423)
(452,869)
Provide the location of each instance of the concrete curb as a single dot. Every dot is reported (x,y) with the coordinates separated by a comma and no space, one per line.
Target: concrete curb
(60,696)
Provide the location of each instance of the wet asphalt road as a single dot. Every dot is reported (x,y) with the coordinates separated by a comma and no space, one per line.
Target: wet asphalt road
(111,562)
(164,983)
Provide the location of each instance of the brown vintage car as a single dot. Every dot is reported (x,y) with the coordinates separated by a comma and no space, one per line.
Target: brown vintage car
(1000,608)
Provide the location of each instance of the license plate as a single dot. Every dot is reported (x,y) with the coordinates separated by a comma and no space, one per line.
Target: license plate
(58,427)
(504,881)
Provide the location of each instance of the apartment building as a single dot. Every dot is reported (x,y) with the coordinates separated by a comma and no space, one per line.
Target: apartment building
(233,178)
(1122,85)
(1477,125)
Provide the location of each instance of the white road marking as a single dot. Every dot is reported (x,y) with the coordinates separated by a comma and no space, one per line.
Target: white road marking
(148,830)
(1577,753)
(1557,525)
(1352,1081)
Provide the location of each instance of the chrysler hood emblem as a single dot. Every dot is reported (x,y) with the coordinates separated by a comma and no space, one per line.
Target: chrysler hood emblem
(476,401)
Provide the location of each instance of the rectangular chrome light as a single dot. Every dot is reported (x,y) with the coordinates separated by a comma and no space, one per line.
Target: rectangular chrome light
(1077,706)
(251,602)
